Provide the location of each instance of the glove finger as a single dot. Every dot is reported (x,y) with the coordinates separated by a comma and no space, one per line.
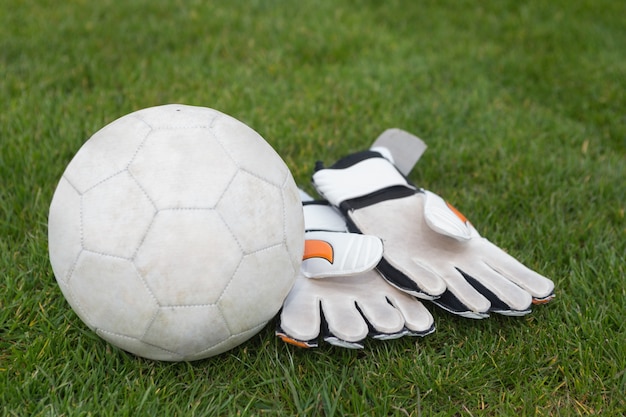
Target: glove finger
(344,320)
(346,299)
(461,297)
(300,318)
(417,318)
(503,294)
(381,316)
(400,269)
(540,287)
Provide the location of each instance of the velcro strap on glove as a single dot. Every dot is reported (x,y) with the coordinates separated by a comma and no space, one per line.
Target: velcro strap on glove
(356,176)
(319,215)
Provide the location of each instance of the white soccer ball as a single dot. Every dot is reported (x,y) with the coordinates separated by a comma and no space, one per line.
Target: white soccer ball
(176,232)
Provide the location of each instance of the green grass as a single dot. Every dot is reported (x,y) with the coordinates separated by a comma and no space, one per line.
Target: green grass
(523,105)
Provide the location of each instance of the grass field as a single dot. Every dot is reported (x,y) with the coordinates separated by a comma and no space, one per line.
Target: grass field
(523,105)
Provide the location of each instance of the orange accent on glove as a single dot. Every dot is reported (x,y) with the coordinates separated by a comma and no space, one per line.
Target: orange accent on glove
(318,249)
(294,342)
(458,213)
(546,300)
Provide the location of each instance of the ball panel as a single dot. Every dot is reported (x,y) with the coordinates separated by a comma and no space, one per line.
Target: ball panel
(233,341)
(187,330)
(106,153)
(294,222)
(116,216)
(250,151)
(177,116)
(110,295)
(253,210)
(187,257)
(76,307)
(64,229)
(138,347)
(183,168)
(252,299)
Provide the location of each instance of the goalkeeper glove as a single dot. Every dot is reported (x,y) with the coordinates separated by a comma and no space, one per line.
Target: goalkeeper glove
(431,250)
(339,295)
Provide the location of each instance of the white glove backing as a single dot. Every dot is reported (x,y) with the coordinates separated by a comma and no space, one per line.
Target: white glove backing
(431,250)
(339,296)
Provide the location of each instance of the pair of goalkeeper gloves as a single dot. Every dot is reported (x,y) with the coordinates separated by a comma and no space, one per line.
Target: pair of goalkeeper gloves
(377,245)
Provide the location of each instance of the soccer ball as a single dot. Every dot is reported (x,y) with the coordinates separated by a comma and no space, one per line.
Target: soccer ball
(176,232)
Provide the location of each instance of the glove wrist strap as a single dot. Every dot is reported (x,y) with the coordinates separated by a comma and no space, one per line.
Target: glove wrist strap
(319,215)
(347,181)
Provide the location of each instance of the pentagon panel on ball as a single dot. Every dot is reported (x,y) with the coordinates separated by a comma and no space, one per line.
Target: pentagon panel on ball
(176,232)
